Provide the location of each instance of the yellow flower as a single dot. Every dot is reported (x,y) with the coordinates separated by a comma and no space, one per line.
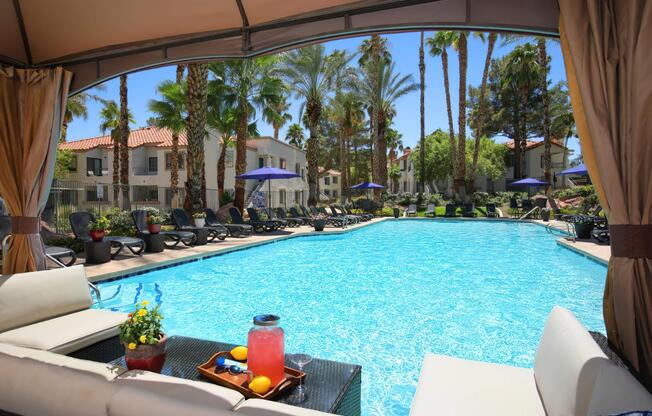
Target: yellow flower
(143,339)
(142,312)
(145,303)
(132,346)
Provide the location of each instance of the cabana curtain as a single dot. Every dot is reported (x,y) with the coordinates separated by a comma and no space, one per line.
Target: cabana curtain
(607,46)
(32,105)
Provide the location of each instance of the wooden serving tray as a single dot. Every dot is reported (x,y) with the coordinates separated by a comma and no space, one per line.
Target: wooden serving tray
(240,382)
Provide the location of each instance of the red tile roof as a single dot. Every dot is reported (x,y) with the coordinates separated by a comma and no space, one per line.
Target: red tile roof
(146,136)
(532,144)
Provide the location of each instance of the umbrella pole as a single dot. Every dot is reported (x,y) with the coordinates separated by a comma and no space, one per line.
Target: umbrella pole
(269,193)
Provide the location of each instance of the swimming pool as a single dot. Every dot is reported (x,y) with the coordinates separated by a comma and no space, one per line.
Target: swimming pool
(383,296)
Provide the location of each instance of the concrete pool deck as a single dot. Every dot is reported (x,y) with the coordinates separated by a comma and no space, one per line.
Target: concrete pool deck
(129,264)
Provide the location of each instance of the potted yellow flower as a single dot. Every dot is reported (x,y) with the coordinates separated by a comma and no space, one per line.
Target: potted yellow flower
(143,340)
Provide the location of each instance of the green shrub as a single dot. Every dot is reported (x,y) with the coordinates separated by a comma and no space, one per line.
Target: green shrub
(65,241)
(437,199)
(386,212)
(227,197)
(100,223)
(120,223)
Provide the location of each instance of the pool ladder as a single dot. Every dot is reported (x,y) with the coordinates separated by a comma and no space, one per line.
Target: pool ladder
(569,233)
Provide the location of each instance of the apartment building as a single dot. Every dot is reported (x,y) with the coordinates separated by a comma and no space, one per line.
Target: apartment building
(330,185)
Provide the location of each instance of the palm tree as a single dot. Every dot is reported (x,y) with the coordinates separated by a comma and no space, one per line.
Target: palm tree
(277,114)
(348,115)
(459,181)
(439,45)
(295,135)
(374,49)
(124,144)
(110,121)
(422,111)
(246,85)
(196,132)
(76,107)
(310,74)
(381,87)
(482,107)
(170,113)
(547,139)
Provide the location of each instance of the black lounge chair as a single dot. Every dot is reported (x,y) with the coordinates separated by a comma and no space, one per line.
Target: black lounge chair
(234,230)
(491,211)
(352,219)
(411,211)
(468,210)
(188,238)
(292,222)
(269,214)
(80,221)
(182,222)
(272,225)
(60,255)
(362,217)
(330,220)
(300,216)
(259,226)
(430,211)
(451,210)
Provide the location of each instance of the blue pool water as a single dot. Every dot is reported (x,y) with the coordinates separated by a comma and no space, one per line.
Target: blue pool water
(383,296)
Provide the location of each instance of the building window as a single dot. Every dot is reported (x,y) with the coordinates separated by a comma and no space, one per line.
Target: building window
(73,164)
(303,174)
(145,193)
(94,166)
(327,180)
(297,197)
(297,169)
(281,197)
(93,196)
(228,158)
(405,186)
(327,192)
(261,162)
(334,194)
(181,161)
(282,164)
(152,164)
(404,163)
(334,180)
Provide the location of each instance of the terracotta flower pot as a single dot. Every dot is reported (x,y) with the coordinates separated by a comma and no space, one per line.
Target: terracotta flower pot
(97,235)
(147,357)
(154,228)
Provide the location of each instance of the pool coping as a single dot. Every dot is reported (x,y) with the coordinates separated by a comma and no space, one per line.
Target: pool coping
(164,264)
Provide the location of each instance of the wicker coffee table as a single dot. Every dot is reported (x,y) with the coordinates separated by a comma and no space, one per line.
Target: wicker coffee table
(332,387)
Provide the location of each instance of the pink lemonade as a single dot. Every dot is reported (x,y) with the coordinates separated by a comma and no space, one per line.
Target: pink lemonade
(266,353)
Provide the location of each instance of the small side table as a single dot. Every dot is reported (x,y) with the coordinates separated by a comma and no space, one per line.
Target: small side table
(97,252)
(154,243)
(202,236)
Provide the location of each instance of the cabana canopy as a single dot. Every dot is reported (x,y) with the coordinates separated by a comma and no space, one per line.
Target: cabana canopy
(579,170)
(100,40)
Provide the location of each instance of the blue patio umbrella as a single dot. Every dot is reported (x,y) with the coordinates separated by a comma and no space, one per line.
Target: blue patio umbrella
(367,185)
(579,170)
(268,173)
(529,182)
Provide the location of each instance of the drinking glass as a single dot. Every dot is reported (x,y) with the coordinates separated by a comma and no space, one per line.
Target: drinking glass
(301,360)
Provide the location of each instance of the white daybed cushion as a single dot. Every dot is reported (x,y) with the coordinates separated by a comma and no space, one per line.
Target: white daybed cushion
(617,391)
(67,333)
(258,407)
(43,383)
(26,298)
(131,401)
(453,386)
(200,394)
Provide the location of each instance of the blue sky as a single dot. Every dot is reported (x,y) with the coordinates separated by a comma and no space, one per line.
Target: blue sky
(404,48)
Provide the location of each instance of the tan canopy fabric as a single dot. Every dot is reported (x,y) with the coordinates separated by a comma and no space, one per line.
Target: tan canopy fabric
(98,40)
(608,51)
(32,103)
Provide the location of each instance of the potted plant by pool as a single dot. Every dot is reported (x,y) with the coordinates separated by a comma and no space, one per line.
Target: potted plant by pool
(545,214)
(199,218)
(154,223)
(583,226)
(319,222)
(396,212)
(97,229)
(143,340)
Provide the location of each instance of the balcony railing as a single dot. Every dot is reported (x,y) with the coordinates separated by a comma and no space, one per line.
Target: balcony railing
(143,171)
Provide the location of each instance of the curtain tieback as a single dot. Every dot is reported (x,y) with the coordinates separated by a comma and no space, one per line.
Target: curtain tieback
(25,225)
(632,241)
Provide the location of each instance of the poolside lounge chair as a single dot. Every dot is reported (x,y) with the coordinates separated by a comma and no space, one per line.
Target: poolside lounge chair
(182,222)
(234,230)
(353,219)
(468,210)
(430,211)
(259,226)
(411,211)
(269,214)
(292,222)
(188,238)
(295,214)
(491,211)
(451,210)
(336,218)
(314,213)
(60,255)
(80,221)
(272,225)
(571,376)
(344,209)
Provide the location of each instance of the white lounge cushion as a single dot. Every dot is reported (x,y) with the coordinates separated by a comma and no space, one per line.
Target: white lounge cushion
(197,393)
(453,386)
(43,383)
(257,407)
(617,391)
(67,333)
(131,401)
(567,364)
(26,298)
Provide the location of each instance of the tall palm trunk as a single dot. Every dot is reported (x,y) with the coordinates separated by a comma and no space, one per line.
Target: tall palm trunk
(124,144)
(422,110)
(381,153)
(174,156)
(196,131)
(459,180)
(276,130)
(221,166)
(241,153)
(116,168)
(482,110)
(344,178)
(547,139)
(313,110)
(449,111)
